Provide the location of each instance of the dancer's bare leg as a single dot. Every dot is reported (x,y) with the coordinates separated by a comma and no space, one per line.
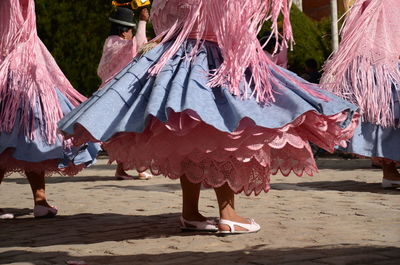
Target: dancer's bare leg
(120,172)
(36,180)
(2,174)
(390,171)
(3,214)
(190,200)
(226,203)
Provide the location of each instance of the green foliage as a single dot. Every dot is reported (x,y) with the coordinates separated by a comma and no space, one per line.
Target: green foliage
(312,39)
(324,27)
(309,39)
(74,32)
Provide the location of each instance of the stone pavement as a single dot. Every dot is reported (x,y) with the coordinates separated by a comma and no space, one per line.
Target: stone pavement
(340,216)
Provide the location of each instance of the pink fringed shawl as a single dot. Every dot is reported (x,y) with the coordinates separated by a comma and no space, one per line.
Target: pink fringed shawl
(29,74)
(234,25)
(366,65)
(118,52)
(280,58)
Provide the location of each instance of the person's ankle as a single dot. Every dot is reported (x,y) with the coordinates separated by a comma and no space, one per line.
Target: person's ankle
(391,174)
(392,177)
(42,202)
(121,173)
(193,216)
(233,216)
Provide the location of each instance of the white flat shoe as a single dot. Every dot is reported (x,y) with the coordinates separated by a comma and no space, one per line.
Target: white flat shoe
(253,227)
(40,211)
(199,226)
(4,215)
(388,184)
(144,176)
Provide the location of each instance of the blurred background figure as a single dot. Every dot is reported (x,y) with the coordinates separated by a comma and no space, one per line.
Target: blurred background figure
(365,70)
(280,56)
(34,96)
(119,49)
(311,72)
(200,108)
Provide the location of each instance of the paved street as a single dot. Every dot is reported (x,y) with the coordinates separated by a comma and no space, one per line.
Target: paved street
(340,216)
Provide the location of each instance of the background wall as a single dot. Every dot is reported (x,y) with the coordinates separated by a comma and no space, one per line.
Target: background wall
(319,9)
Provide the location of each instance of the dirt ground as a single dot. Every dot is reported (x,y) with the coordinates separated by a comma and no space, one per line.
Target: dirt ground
(340,216)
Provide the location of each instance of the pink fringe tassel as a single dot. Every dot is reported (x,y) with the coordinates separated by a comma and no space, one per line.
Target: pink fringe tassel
(234,26)
(29,75)
(366,65)
(180,30)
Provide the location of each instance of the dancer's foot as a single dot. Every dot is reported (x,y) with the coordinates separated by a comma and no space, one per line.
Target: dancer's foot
(40,211)
(5,215)
(208,225)
(391,177)
(394,177)
(390,172)
(239,228)
(195,221)
(230,222)
(194,216)
(120,173)
(145,176)
(233,217)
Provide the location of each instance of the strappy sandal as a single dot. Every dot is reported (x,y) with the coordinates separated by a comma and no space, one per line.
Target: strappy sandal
(40,211)
(5,215)
(253,227)
(390,184)
(144,176)
(208,225)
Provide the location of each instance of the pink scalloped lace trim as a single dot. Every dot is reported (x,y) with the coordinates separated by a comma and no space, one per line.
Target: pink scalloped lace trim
(244,158)
(49,167)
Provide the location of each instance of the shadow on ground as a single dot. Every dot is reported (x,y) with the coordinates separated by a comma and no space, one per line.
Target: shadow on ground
(256,255)
(86,228)
(62,179)
(341,185)
(345,164)
(168,188)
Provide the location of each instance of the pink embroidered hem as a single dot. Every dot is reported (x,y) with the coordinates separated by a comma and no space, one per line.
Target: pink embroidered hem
(244,159)
(8,164)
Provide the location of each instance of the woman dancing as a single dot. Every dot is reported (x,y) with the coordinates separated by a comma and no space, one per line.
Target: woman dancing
(34,96)
(365,70)
(207,106)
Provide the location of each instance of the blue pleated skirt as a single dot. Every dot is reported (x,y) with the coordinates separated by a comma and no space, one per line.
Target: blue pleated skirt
(19,153)
(372,140)
(174,124)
